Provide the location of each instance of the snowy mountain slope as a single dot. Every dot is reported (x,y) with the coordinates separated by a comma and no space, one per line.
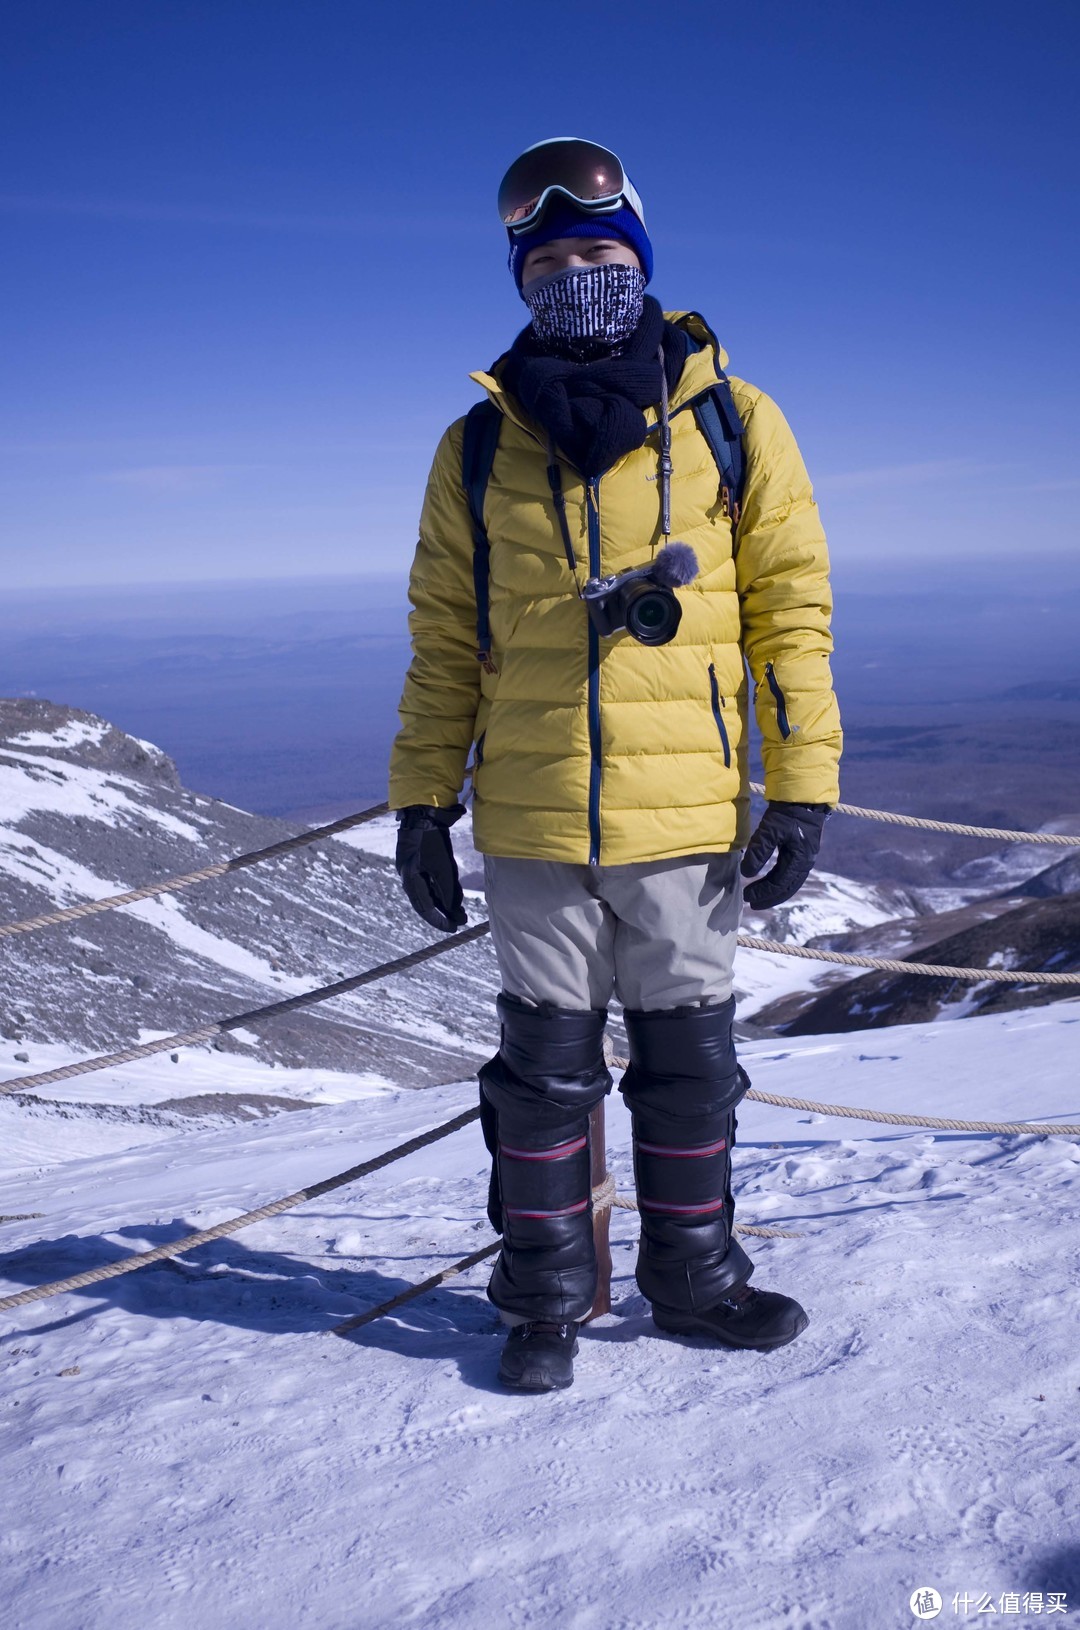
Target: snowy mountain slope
(86,811)
(190,1445)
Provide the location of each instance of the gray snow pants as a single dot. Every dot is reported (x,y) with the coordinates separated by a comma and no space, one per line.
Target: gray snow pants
(661,937)
(656,934)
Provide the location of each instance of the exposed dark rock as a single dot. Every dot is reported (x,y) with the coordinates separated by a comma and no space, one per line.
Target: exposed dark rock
(234,1106)
(1041,936)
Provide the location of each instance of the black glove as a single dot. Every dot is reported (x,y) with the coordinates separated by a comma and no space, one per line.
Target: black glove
(794,830)
(426,864)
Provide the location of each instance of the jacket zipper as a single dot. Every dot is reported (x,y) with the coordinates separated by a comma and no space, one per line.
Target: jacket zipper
(778,698)
(717,701)
(593,511)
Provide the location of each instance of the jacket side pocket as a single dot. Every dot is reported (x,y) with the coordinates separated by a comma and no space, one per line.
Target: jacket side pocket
(717,704)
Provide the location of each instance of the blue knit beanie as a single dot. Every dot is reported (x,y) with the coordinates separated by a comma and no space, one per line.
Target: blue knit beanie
(562,220)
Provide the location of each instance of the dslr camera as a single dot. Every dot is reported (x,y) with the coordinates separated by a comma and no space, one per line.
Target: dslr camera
(642,600)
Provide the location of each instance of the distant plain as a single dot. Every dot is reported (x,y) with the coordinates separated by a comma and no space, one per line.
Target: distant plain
(959,685)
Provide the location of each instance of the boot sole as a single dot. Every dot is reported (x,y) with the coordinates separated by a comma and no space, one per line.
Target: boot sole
(696,1328)
(534,1381)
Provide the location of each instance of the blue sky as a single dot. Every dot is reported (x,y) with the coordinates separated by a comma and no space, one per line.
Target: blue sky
(251,254)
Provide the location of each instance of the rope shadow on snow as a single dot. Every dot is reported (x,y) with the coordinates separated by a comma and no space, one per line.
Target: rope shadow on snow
(897,1204)
(889,1135)
(224,1282)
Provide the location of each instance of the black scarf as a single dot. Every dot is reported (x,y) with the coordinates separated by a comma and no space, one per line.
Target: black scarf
(593,410)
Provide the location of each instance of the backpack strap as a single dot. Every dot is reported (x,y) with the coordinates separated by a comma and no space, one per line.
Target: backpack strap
(719,422)
(482,425)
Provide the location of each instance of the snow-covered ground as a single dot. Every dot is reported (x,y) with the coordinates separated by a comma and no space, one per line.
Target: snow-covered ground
(190,1445)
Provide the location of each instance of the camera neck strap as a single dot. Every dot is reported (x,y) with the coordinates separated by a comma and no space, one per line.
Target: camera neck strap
(665,453)
(554,475)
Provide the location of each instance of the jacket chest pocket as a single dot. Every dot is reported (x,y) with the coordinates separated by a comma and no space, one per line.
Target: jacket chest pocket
(717,703)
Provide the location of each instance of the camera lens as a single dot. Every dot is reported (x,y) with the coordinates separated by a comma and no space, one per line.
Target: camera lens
(652,613)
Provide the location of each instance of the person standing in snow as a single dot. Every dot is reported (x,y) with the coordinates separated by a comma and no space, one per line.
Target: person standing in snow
(609,726)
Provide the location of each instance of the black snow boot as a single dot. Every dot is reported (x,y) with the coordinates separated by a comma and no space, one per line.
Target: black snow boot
(535,1099)
(682,1087)
(744,1318)
(539,1357)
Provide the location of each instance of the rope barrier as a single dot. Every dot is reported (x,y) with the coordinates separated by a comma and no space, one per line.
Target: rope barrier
(626,1202)
(488,1251)
(604,1197)
(143,1259)
(416,1290)
(324,993)
(1059,839)
(183,880)
(222,1026)
(254,857)
(1003,976)
(937,1122)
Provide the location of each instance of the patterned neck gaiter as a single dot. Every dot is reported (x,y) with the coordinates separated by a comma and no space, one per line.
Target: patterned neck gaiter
(587,310)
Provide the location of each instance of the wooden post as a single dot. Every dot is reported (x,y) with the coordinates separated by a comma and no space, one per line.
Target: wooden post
(601,1219)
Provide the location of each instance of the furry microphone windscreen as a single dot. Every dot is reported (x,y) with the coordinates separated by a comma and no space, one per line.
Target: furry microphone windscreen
(675,566)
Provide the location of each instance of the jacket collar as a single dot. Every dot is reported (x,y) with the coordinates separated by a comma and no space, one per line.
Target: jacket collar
(701,371)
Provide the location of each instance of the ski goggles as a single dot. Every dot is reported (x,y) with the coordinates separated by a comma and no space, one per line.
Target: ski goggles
(592,177)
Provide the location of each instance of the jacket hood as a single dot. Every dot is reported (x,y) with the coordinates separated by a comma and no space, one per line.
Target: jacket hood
(701,371)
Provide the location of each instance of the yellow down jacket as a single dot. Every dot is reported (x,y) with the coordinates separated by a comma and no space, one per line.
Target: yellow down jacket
(602,750)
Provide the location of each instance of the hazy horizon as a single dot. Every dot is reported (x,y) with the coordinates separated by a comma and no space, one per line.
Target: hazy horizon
(868,573)
(281,696)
